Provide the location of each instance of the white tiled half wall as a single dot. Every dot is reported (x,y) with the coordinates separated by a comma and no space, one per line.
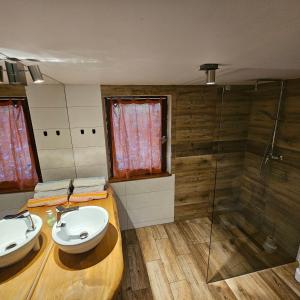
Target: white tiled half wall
(49,115)
(145,202)
(87,132)
(76,112)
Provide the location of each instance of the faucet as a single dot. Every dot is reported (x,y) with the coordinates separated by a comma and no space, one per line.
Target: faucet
(62,210)
(25,214)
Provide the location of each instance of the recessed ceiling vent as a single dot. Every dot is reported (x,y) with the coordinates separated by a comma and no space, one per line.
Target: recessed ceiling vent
(210,71)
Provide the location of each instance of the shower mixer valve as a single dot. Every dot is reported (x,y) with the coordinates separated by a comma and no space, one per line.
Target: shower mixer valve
(271,156)
(275,157)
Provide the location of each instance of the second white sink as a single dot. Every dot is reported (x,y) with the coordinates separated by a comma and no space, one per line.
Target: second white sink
(82,229)
(16,241)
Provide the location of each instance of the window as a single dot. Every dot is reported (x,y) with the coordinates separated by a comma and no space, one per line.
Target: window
(137,135)
(17,157)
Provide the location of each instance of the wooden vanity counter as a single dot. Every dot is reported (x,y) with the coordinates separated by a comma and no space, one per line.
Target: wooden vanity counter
(17,280)
(96,274)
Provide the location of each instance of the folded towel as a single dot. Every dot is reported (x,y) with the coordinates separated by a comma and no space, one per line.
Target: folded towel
(87,196)
(48,194)
(88,189)
(52,185)
(57,200)
(89,181)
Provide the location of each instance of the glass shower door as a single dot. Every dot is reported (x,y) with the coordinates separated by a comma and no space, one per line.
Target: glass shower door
(247,213)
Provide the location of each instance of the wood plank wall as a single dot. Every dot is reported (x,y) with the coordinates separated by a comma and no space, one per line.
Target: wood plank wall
(272,200)
(12,90)
(197,140)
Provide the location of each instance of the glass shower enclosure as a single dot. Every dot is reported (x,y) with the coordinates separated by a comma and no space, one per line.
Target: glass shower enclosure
(256,207)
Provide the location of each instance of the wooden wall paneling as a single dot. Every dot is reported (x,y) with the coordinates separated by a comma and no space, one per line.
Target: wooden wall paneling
(274,195)
(12,90)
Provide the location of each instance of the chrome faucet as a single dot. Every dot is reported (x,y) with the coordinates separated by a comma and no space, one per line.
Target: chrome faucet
(25,214)
(60,210)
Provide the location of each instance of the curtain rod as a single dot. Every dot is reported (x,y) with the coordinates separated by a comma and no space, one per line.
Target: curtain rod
(135,97)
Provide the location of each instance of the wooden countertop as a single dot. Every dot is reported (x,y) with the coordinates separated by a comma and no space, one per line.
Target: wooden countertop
(53,274)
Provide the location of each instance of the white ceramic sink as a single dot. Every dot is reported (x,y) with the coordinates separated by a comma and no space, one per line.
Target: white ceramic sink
(16,241)
(83,229)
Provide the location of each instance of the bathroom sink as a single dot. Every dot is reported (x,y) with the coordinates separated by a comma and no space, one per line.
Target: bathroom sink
(80,230)
(16,240)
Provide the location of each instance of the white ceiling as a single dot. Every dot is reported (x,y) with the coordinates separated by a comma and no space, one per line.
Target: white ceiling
(154,41)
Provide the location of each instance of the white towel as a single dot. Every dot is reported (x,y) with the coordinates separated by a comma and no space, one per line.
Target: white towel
(52,185)
(89,181)
(88,189)
(47,194)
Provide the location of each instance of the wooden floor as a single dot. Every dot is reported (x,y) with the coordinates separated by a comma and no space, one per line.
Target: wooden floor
(170,262)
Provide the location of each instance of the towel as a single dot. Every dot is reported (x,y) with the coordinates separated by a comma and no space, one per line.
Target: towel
(87,196)
(56,200)
(89,181)
(88,189)
(48,194)
(52,185)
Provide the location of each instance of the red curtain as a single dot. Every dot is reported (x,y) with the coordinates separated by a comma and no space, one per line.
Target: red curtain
(17,165)
(136,137)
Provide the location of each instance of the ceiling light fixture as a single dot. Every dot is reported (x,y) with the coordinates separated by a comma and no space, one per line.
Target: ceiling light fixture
(36,74)
(15,69)
(210,71)
(15,73)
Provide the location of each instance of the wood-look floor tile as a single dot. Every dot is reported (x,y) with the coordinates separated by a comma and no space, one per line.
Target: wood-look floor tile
(144,294)
(138,273)
(278,285)
(199,252)
(126,282)
(169,260)
(251,286)
(181,290)
(147,243)
(221,290)
(287,273)
(196,230)
(159,232)
(177,239)
(226,259)
(200,291)
(158,280)
(131,237)
(190,269)
(176,267)
(220,233)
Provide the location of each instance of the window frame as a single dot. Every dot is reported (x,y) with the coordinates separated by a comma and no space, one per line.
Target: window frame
(164,131)
(31,143)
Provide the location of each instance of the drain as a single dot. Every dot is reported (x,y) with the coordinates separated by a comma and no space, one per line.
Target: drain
(83,235)
(10,246)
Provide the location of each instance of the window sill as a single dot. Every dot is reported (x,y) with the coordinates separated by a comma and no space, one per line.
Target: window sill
(165,174)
